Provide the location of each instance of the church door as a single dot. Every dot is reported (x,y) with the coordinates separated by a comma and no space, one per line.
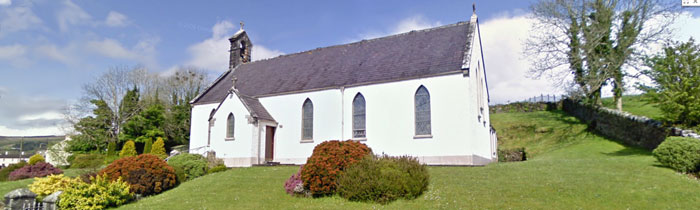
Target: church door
(269,143)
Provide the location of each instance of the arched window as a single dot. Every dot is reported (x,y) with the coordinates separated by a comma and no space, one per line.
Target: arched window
(230,122)
(422,109)
(307,120)
(358,116)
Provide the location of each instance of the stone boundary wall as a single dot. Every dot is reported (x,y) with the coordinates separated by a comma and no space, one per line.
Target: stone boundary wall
(524,107)
(630,129)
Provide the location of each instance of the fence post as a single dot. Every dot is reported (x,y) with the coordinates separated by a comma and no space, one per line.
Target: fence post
(19,198)
(51,201)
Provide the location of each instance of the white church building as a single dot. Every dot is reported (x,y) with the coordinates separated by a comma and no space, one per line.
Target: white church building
(422,93)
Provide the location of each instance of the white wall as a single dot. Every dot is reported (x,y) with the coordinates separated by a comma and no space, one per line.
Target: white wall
(199,127)
(286,109)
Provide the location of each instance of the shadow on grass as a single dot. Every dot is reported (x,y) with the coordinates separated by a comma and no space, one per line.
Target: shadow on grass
(629,151)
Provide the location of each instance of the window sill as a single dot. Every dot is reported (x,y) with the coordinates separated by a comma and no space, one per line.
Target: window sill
(306,141)
(229,139)
(360,139)
(428,136)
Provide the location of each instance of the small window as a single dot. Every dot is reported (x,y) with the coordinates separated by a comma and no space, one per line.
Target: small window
(307,120)
(230,122)
(422,109)
(358,116)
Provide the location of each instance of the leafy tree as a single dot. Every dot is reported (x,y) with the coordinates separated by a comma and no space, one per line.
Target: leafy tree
(129,150)
(93,131)
(111,148)
(158,148)
(148,124)
(676,76)
(594,39)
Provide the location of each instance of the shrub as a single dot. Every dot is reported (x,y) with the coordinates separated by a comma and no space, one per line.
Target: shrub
(5,172)
(147,146)
(218,168)
(383,179)
(88,176)
(40,169)
(509,155)
(327,162)
(111,148)
(679,153)
(87,161)
(180,174)
(147,174)
(194,165)
(99,194)
(43,187)
(128,150)
(36,158)
(158,148)
(294,186)
(109,159)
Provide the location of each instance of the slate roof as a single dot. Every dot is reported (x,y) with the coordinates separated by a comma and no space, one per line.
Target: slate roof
(256,108)
(416,54)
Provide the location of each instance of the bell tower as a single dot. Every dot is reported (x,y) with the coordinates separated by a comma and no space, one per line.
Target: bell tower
(241,48)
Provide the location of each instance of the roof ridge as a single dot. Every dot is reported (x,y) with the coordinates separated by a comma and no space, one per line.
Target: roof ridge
(365,41)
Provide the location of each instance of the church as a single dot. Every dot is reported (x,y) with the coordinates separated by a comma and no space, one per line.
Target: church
(422,93)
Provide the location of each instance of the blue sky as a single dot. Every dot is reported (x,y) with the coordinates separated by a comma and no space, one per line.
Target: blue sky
(50,48)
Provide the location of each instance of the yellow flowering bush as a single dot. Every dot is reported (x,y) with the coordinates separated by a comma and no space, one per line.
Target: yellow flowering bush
(43,187)
(100,194)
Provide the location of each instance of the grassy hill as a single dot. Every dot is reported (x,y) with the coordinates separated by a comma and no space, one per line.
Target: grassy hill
(570,168)
(636,105)
(29,144)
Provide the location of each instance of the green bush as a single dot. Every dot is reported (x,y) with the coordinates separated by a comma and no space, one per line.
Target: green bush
(180,174)
(5,172)
(87,161)
(128,150)
(112,148)
(147,146)
(509,155)
(383,179)
(43,187)
(109,159)
(679,153)
(194,165)
(327,162)
(218,168)
(101,193)
(158,148)
(36,158)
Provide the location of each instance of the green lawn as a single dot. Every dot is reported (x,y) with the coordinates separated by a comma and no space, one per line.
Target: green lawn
(571,169)
(635,104)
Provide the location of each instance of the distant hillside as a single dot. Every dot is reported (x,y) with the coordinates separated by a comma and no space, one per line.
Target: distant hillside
(28,144)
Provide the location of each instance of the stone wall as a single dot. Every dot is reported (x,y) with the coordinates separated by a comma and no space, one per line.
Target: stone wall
(524,107)
(630,129)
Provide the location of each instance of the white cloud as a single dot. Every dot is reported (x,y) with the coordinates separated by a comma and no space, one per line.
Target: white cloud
(506,67)
(144,51)
(416,22)
(212,53)
(18,19)
(5,2)
(116,19)
(71,14)
(30,114)
(51,51)
(12,51)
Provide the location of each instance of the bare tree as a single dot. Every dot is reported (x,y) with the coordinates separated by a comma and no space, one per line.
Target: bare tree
(185,84)
(111,87)
(594,40)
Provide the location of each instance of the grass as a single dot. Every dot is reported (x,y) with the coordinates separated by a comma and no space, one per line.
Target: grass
(636,105)
(571,169)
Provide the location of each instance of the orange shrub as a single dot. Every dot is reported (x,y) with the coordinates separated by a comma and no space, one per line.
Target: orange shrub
(146,174)
(327,162)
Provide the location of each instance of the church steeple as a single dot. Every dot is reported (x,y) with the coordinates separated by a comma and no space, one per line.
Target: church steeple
(241,48)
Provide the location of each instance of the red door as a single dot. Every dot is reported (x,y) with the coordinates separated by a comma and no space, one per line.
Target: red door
(269,143)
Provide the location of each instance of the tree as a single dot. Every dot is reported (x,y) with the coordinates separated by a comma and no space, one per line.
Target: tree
(93,131)
(112,88)
(676,77)
(180,88)
(594,40)
(129,150)
(148,124)
(159,148)
(147,146)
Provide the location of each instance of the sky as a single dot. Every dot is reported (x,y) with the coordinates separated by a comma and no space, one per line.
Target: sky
(50,48)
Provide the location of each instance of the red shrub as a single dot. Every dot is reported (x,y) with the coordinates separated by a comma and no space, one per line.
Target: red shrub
(146,174)
(294,182)
(327,162)
(40,169)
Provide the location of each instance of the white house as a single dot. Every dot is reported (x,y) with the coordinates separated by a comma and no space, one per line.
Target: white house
(421,93)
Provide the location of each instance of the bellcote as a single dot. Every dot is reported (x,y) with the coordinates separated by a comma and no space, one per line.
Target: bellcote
(241,48)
